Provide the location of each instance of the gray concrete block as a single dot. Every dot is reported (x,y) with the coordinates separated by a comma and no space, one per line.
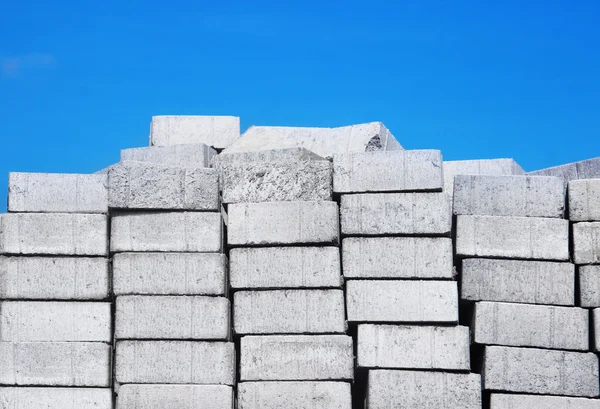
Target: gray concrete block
(55,278)
(540,371)
(427,390)
(396,213)
(55,363)
(55,398)
(392,171)
(586,243)
(585,169)
(289,312)
(283,223)
(584,200)
(397,257)
(492,167)
(167,231)
(285,267)
(512,237)
(596,329)
(402,301)
(175,397)
(508,401)
(172,317)
(54,233)
(525,325)
(589,286)
(294,395)
(57,192)
(170,274)
(216,131)
(413,347)
(188,156)
(296,358)
(293,154)
(175,362)
(520,281)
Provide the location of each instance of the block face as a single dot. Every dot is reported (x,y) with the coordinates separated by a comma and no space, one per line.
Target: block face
(294,395)
(402,301)
(55,398)
(289,312)
(512,237)
(567,172)
(589,286)
(397,257)
(396,213)
(584,203)
(386,346)
(188,155)
(586,243)
(175,396)
(169,274)
(172,317)
(585,169)
(540,371)
(175,362)
(508,401)
(492,167)
(216,131)
(296,357)
(596,328)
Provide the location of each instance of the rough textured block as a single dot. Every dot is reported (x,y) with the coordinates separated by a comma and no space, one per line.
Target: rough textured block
(172,317)
(413,347)
(56,278)
(396,213)
(296,357)
(188,156)
(596,329)
(423,390)
(492,167)
(294,395)
(167,231)
(586,243)
(177,362)
(520,281)
(585,169)
(584,200)
(589,286)
(289,312)
(283,223)
(401,301)
(540,371)
(393,171)
(216,131)
(285,267)
(531,326)
(397,257)
(508,401)
(57,192)
(55,398)
(55,363)
(512,237)
(175,397)
(170,274)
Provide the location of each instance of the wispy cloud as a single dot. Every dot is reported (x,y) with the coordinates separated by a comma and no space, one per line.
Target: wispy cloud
(15,65)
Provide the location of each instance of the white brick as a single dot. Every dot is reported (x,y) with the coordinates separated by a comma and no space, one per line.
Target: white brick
(584,203)
(589,286)
(216,131)
(493,167)
(508,401)
(294,395)
(188,155)
(55,398)
(586,243)
(175,397)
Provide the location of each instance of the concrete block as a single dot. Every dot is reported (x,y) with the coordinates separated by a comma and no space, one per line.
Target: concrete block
(55,234)
(55,398)
(492,167)
(397,257)
(596,329)
(188,156)
(285,267)
(589,286)
(526,196)
(57,192)
(392,171)
(586,243)
(216,131)
(175,362)
(175,397)
(55,321)
(172,317)
(294,395)
(584,200)
(402,301)
(508,401)
(396,213)
(531,326)
(418,389)
(167,232)
(55,278)
(293,154)
(386,346)
(283,223)
(585,169)
(289,312)
(55,363)
(512,237)
(170,274)
(296,358)
(540,371)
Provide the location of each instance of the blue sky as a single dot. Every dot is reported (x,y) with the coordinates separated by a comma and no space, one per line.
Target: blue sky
(80,80)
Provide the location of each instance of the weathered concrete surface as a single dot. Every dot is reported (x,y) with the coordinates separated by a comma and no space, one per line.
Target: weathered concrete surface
(172,317)
(54,233)
(216,131)
(402,301)
(175,397)
(512,237)
(596,329)
(285,267)
(57,192)
(55,398)
(393,171)
(293,154)
(176,362)
(413,347)
(509,401)
(520,281)
(531,326)
(170,274)
(396,213)
(492,167)
(540,371)
(585,169)
(586,243)
(584,200)
(188,156)
(283,223)
(167,231)
(294,395)
(397,257)
(589,286)
(296,357)
(289,312)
